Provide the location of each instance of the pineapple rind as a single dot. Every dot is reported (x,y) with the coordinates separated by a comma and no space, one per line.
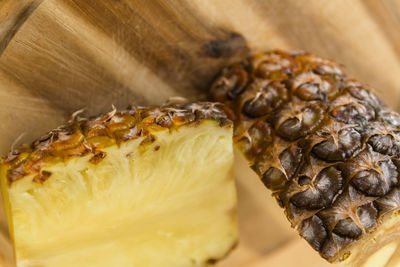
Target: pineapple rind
(82,137)
(322,142)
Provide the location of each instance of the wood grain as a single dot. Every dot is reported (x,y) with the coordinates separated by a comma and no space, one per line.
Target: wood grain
(13,14)
(58,56)
(386,14)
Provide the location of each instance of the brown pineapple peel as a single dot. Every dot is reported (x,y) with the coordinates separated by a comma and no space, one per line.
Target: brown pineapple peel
(324,144)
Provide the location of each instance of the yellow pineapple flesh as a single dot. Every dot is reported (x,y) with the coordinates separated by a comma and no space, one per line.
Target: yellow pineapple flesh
(145,187)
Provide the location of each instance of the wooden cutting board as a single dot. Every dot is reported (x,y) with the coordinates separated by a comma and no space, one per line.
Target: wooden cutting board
(58,56)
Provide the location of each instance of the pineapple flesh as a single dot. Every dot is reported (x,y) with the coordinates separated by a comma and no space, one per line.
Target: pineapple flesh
(326,147)
(142,187)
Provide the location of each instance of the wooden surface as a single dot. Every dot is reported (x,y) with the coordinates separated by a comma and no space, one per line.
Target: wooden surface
(58,56)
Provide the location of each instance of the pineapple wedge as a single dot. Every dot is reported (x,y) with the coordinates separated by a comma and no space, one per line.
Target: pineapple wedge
(143,187)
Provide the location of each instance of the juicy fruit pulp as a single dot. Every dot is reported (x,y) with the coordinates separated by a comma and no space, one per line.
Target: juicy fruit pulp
(323,143)
(165,198)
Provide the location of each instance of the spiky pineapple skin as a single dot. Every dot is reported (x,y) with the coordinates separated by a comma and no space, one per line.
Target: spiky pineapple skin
(322,142)
(81,137)
(89,139)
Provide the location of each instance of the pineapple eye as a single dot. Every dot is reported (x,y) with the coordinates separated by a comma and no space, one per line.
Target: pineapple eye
(389,202)
(291,129)
(334,245)
(367,215)
(346,227)
(391,118)
(345,114)
(268,99)
(273,66)
(290,160)
(321,192)
(164,121)
(384,144)
(373,183)
(231,84)
(314,232)
(261,138)
(349,141)
(353,113)
(328,150)
(326,70)
(370,182)
(259,106)
(274,179)
(309,91)
(362,94)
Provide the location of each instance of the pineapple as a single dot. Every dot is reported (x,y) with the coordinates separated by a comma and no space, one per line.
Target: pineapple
(326,147)
(142,187)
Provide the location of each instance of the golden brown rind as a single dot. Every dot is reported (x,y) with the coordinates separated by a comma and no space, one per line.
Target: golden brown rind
(322,142)
(81,136)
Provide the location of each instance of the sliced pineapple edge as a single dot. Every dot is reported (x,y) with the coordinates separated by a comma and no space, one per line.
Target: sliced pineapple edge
(165,198)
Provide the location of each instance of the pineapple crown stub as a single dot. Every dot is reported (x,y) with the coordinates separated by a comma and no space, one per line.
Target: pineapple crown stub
(325,145)
(83,136)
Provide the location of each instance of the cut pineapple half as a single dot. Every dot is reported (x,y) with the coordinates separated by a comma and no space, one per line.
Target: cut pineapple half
(161,195)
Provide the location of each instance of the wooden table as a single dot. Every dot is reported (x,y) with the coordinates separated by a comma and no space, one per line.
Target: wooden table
(58,56)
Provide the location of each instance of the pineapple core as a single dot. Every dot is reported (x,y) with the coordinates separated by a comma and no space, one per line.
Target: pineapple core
(167,202)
